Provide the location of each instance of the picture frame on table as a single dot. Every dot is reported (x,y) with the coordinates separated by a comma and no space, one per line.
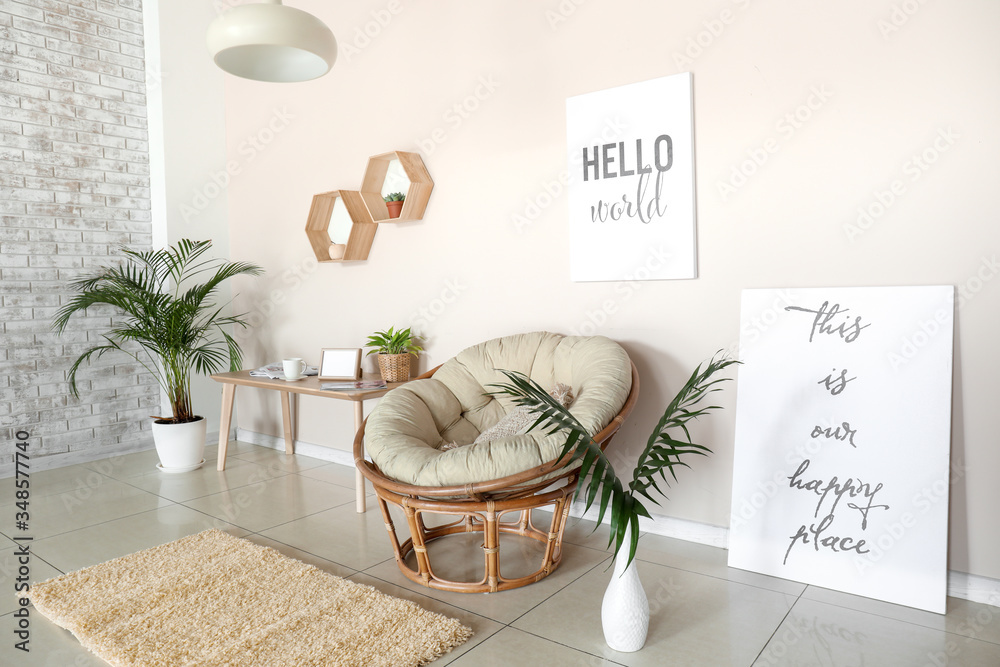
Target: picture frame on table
(340,363)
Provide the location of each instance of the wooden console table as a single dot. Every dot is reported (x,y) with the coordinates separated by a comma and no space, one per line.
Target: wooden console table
(308,386)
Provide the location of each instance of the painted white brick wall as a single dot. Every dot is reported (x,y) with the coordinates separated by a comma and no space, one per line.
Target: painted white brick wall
(74,186)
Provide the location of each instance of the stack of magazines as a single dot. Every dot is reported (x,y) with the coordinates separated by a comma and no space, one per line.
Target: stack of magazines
(353,384)
(277,371)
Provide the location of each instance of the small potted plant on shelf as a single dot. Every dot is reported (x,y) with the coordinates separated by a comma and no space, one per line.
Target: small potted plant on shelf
(394,202)
(171,325)
(394,349)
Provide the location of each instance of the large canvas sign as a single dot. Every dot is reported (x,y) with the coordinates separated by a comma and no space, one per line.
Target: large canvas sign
(843,424)
(631,185)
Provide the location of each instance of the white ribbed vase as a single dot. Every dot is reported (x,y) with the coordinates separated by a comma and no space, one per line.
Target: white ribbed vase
(625,610)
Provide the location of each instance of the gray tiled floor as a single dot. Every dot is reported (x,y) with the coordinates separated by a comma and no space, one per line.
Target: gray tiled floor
(702,612)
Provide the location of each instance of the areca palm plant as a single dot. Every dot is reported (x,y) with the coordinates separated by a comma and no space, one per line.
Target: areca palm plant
(169,322)
(665,450)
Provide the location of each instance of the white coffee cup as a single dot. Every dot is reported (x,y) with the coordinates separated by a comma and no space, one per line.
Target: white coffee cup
(293,368)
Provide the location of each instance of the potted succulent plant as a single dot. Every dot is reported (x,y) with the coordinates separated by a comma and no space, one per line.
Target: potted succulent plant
(394,202)
(624,619)
(171,325)
(394,349)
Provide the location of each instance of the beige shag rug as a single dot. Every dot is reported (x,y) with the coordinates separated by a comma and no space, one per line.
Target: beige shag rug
(215,599)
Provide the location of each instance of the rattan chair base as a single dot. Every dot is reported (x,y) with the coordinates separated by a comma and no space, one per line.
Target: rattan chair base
(477,516)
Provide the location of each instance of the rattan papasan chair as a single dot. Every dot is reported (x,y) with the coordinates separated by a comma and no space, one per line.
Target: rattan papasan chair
(421,461)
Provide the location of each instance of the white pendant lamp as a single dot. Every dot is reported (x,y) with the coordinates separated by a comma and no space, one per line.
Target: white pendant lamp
(267,41)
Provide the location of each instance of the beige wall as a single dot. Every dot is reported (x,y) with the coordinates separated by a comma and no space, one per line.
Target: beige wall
(187,122)
(479,89)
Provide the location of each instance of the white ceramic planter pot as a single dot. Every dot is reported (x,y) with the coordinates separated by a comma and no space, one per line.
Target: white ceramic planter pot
(625,610)
(181,447)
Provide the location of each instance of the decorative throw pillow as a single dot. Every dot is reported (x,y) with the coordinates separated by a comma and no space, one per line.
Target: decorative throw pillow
(520,419)
(515,422)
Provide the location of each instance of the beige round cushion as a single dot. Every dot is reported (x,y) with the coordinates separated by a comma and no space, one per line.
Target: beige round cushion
(405,432)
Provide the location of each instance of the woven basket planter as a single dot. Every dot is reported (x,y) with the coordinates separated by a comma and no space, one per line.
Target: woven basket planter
(394,367)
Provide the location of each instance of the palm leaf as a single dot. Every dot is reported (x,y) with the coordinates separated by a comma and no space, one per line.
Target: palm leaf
(169,332)
(663,452)
(596,471)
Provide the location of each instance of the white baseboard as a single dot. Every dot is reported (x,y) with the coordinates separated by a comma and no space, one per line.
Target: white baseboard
(682,529)
(974,588)
(961,585)
(87,455)
(304,448)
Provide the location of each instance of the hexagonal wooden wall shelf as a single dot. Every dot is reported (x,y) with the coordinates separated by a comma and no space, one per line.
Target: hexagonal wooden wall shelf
(417,194)
(362,231)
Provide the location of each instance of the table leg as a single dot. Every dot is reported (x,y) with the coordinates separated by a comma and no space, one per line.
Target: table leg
(228,394)
(359,479)
(286,422)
